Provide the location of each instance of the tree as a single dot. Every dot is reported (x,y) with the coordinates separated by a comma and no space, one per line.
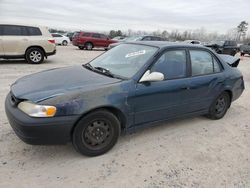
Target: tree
(242,29)
(112,34)
(164,34)
(119,33)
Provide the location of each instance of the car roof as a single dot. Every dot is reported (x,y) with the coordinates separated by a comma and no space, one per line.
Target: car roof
(164,44)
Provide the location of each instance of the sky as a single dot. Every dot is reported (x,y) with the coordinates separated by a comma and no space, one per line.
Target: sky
(147,15)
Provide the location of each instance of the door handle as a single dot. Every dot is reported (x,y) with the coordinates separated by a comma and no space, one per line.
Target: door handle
(185,88)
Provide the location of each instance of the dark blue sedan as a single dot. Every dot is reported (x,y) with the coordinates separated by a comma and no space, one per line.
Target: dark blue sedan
(129,87)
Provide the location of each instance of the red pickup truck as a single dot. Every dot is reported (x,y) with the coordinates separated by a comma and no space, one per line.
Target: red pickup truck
(89,40)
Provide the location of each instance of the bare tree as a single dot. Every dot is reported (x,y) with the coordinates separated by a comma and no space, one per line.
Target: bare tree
(242,29)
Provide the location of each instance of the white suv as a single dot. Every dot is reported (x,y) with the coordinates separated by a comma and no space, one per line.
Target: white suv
(29,42)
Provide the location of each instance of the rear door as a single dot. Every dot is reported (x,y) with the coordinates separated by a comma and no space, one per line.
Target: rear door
(97,40)
(15,40)
(104,40)
(206,81)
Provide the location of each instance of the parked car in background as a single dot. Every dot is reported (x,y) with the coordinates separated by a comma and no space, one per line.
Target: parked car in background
(70,35)
(32,43)
(129,87)
(138,38)
(224,47)
(245,49)
(119,38)
(90,40)
(192,41)
(60,39)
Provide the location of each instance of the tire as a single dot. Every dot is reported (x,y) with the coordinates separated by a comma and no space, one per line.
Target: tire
(220,106)
(81,47)
(96,133)
(34,55)
(88,46)
(64,43)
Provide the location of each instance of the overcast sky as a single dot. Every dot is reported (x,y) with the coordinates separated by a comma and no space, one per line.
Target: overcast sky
(149,15)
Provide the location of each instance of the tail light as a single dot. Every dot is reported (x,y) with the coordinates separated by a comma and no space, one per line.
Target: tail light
(52,41)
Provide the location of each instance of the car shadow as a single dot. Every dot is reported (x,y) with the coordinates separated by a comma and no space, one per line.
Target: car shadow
(52,152)
(20,61)
(16,61)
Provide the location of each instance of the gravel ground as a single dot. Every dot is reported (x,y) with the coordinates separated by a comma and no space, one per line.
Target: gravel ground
(195,152)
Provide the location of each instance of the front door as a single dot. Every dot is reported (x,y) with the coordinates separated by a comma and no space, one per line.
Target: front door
(155,101)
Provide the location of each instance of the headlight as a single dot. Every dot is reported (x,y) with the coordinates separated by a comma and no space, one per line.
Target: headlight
(35,110)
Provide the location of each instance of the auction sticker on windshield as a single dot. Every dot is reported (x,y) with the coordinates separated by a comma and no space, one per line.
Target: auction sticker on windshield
(141,52)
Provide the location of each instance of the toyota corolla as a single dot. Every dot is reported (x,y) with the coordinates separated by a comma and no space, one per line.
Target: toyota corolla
(129,87)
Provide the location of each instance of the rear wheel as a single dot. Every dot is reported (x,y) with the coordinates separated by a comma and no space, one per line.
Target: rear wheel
(64,43)
(89,46)
(34,55)
(96,133)
(220,106)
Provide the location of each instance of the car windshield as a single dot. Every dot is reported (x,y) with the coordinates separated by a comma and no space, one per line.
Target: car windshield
(124,60)
(130,39)
(76,34)
(220,43)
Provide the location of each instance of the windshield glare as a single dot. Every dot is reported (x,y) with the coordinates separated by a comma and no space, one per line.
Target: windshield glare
(124,60)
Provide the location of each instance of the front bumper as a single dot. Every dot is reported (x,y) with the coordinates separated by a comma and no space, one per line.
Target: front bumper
(39,131)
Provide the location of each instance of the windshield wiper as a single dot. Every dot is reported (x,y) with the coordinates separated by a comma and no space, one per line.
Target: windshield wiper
(88,66)
(101,70)
(105,71)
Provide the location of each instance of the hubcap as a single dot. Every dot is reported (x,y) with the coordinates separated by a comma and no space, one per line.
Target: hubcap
(35,56)
(89,46)
(220,105)
(97,134)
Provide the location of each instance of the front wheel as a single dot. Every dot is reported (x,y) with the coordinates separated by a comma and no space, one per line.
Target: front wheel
(96,133)
(81,47)
(34,55)
(220,106)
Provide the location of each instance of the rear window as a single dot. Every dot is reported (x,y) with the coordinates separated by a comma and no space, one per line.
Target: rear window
(76,34)
(230,43)
(34,31)
(56,35)
(96,35)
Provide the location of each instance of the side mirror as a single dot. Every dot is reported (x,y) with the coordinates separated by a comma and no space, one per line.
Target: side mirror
(151,77)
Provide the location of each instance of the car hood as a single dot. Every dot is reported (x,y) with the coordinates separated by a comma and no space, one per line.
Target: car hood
(47,84)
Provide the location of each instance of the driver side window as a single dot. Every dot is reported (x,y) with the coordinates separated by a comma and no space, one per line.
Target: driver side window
(172,64)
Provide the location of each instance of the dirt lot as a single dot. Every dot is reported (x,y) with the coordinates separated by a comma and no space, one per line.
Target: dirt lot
(194,152)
